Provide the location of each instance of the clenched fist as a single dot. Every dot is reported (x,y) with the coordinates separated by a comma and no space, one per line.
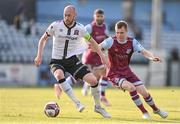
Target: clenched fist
(37,61)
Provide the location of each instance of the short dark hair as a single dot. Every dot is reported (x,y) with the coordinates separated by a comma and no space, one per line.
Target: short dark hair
(121,24)
(99,11)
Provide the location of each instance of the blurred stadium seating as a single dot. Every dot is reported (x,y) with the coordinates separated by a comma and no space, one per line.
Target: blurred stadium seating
(17,47)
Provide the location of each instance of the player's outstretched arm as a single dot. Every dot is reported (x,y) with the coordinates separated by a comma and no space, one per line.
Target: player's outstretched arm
(41,45)
(150,56)
(96,48)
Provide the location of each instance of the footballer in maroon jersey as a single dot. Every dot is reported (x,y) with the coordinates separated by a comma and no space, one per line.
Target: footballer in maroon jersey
(99,32)
(120,49)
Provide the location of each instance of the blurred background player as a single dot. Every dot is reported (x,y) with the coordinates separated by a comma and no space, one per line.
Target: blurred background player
(99,32)
(67,35)
(120,49)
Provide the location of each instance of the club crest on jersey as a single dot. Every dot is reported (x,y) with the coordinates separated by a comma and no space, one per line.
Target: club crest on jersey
(128,51)
(61,30)
(76,32)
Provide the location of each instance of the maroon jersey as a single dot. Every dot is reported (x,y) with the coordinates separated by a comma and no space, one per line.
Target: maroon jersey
(120,54)
(98,33)
(119,57)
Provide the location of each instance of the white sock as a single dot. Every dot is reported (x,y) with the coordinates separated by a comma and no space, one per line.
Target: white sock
(96,95)
(66,87)
(69,81)
(86,86)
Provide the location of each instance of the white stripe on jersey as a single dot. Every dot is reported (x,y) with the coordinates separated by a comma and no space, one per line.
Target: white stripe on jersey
(76,44)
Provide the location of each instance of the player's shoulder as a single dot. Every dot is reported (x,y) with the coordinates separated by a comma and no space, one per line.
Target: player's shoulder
(88,26)
(109,40)
(105,25)
(107,43)
(80,25)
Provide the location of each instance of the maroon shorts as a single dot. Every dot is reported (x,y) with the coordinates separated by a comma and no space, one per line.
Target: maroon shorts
(117,76)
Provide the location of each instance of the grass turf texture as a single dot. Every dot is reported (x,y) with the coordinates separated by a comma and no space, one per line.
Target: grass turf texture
(25,105)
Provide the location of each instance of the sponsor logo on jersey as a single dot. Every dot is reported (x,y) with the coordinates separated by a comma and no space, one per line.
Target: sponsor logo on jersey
(68,37)
(122,57)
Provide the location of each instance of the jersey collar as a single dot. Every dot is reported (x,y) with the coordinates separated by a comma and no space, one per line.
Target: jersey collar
(68,26)
(121,42)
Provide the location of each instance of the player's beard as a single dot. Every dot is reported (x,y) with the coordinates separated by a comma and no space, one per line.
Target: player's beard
(99,22)
(69,23)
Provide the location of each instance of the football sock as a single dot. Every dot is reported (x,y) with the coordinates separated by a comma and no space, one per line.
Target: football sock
(95,94)
(66,87)
(137,101)
(103,86)
(149,100)
(69,81)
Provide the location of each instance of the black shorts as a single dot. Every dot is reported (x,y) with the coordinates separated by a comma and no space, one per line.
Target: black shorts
(71,65)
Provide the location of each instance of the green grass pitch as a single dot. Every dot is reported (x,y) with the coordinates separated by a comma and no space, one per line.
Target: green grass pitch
(25,106)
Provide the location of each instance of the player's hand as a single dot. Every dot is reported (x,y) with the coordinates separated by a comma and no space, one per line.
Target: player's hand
(157,59)
(37,61)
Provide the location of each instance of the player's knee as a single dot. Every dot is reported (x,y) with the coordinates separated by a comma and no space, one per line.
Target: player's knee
(131,87)
(59,74)
(128,86)
(91,79)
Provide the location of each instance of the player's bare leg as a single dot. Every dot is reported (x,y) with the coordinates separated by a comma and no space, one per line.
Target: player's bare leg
(149,100)
(91,79)
(135,97)
(66,87)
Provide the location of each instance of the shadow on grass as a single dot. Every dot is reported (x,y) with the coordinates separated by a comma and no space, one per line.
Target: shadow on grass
(70,118)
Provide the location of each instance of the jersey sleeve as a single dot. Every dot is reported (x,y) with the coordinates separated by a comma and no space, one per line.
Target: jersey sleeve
(107,43)
(137,46)
(85,33)
(50,29)
(88,28)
